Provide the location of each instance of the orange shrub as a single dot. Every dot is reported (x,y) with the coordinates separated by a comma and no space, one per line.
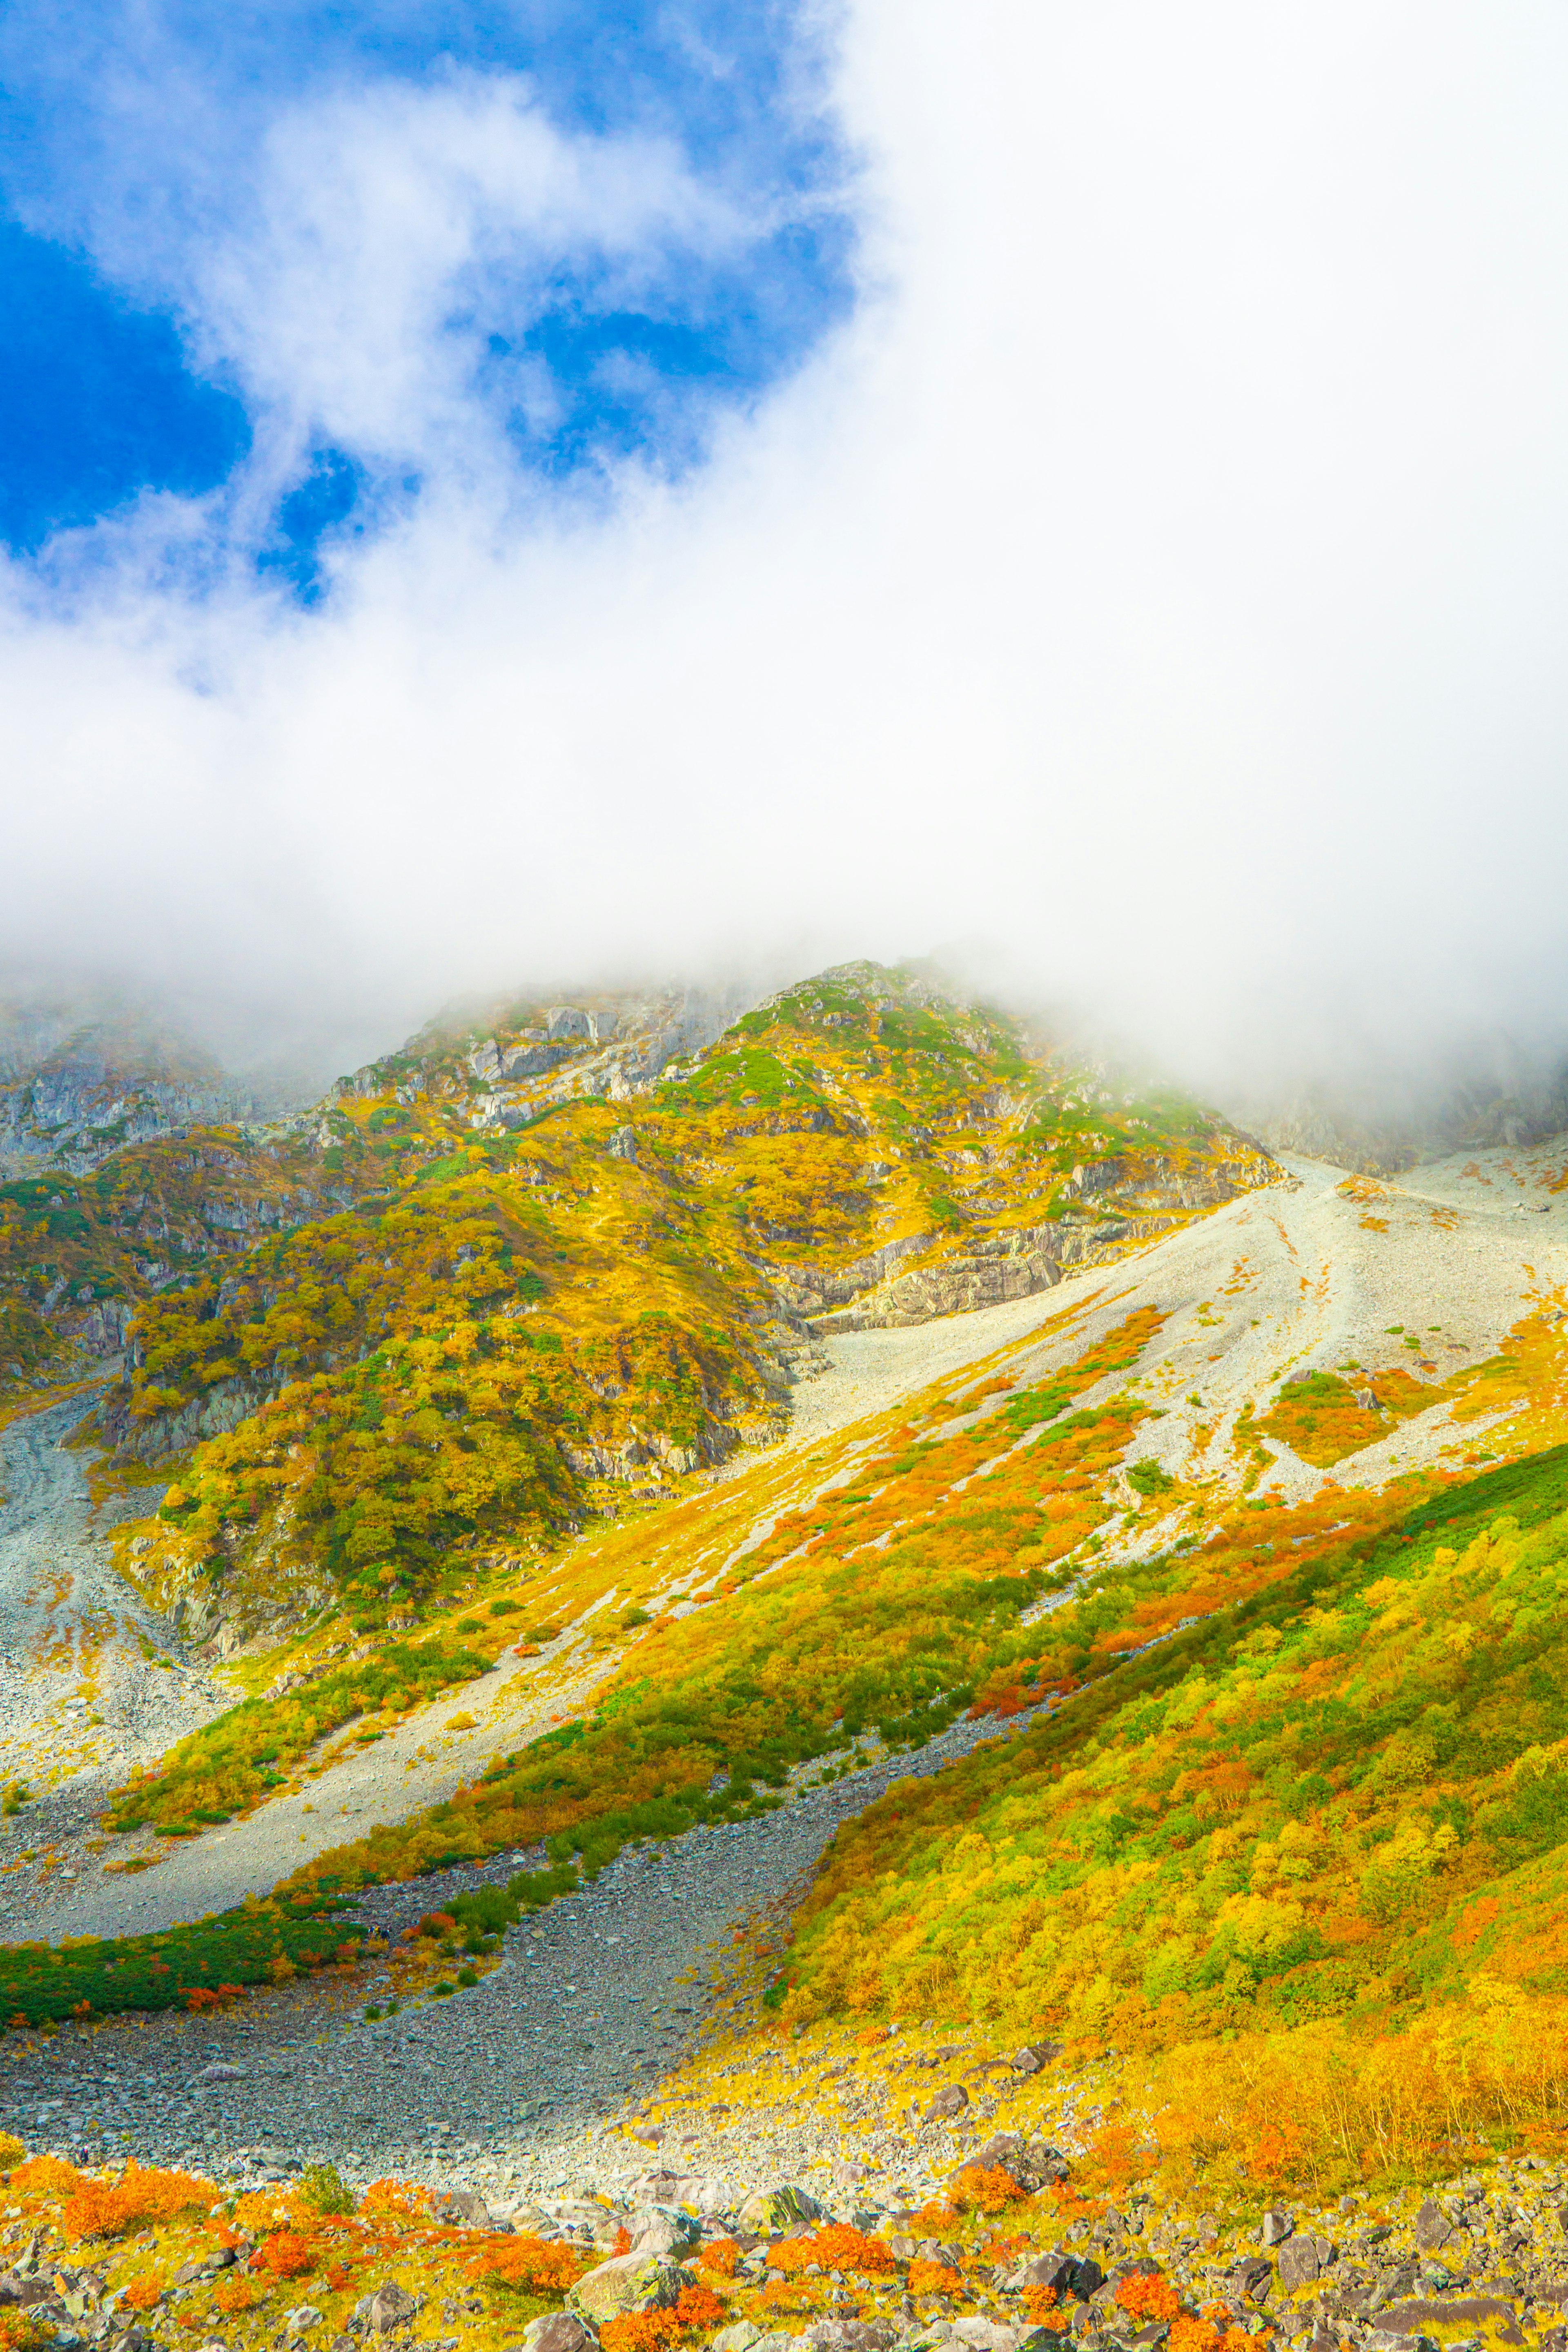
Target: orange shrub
(697,2310)
(720,2254)
(1203,2335)
(45,2176)
(933,2278)
(401,2202)
(286,2255)
(143,2293)
(528,2263)
(105,2209)
(234,2296)
(1149,2298)
(836,2247)
(987,2188)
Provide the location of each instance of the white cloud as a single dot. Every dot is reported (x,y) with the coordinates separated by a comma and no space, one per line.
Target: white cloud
(1163,574)
(391,229)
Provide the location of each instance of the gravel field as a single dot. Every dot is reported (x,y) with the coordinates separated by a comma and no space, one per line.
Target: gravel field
(89,1681)
(511,2083)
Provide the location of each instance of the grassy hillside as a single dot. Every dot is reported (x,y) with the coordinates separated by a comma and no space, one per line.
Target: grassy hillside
(587,1298)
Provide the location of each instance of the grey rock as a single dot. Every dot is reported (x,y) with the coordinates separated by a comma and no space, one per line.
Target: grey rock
(301,2320)
(1276,2226)
(557,2331)
(1036,2054)
(1303,2259)
(1078,2276)
(387,2307)
(950,2100)
(469,2207)
(628,2283)
(743,2336)
(1031,2163)
(771,2212)
(1253,2279)
(664,2230)
(1432,2227)
(569,1020)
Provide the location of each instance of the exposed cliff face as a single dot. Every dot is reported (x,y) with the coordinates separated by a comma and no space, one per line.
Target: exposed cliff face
(927,1274)
(79,1080)
(510,1062)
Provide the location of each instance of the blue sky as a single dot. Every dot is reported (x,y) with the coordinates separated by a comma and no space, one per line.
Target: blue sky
(140,147)
(569,487)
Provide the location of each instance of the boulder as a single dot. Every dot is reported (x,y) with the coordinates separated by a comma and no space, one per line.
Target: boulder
(850,2336)
(466,2205)
(1432,2227)
(664,2230)
(1276,2226)
(1253,2279)
(557,2331)
(386,2307)
(1078,2276)
(771,2212)
(743,2336)
(950,2100)
(1303,2259)
(300,2321)
(1030,2162)
(628,2283)
(1036,2054)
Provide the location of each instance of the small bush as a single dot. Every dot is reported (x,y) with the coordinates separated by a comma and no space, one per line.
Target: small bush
(323,2189)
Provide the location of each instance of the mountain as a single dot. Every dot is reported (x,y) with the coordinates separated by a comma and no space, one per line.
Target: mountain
(83,1075)
(588,1254)
(1038,1618)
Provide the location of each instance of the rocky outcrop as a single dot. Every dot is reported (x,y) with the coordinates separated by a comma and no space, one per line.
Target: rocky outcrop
(957,1273)
(80,1078)
(219,1409)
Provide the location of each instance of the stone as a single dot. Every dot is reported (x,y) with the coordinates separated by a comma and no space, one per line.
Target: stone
(628,2283)
(1031,2163)
(560,2331)
(849,2335)
(221,2072)
(771,2212)
(1460,2311)
(1078,2276)
(301,2320)
(1432,2227)
(950,2100)
(1036,2054)
(664,2230)
(387,2307)
(985,2335)
(469,2208)
(1304,2259)
(1276,2226)
(1253,2279)
(741,2337)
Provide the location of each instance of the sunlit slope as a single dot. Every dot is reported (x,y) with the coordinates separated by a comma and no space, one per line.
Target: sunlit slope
(613,1293)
